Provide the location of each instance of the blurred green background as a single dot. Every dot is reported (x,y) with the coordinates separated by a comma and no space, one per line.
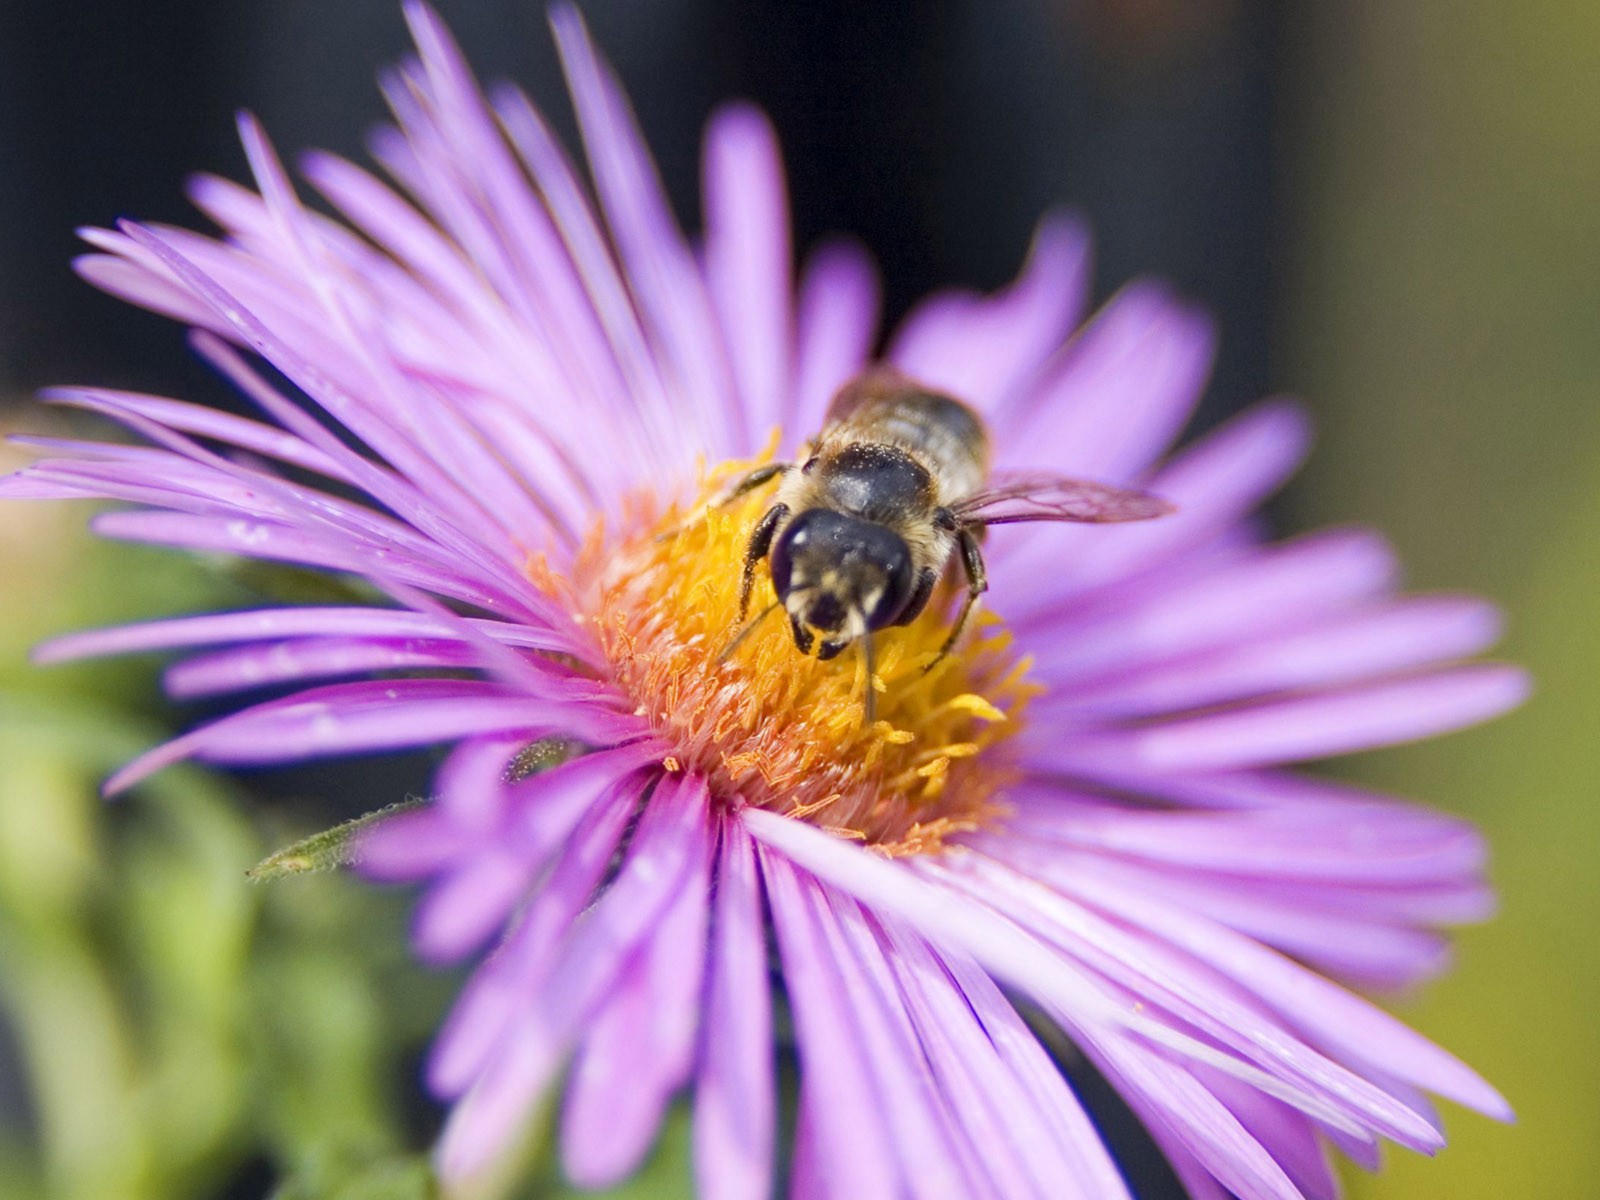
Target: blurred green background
(1424,261)
(1445,314)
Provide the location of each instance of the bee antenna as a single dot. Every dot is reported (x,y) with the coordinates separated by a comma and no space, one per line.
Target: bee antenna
(738,638)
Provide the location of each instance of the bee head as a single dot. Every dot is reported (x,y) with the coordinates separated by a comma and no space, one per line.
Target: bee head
(840,575)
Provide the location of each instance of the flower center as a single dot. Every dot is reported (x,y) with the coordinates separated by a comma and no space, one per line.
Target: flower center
(770,726)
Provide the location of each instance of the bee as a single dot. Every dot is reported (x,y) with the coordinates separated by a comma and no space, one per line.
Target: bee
(891,495)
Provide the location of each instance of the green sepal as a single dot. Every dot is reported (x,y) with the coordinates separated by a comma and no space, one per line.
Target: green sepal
(328,850)
(336,847)
(537,757)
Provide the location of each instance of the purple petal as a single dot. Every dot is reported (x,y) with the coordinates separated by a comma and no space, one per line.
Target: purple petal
(1358,936)
(982,349)
(1350,842)
(1275,588)
(1315,726)
(748,261)
(1149,972)
(1214,483)
(1073,1136)
(464,910)
(1025,1150)
(546,339)
(1119,394)
(483,1014)
(120,276)
(275,623)
(306,659)
(1215,863)
(837,324)
(1288,1137)
(233,431)
(936,912)
(360,718)
(933,1148)
(950,920)
(639,1048)
(412,845)
(427,442)
(661,271)
(285,541)
(670,840)
(1169,1096)
(1343,650)
(735,1102)
(427,515)
(1349,1026)
(850,1123)
(647,414)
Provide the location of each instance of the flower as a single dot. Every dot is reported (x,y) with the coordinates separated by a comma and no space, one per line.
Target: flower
(512,415)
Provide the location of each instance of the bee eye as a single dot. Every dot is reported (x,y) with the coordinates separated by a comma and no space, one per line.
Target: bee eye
(897,581)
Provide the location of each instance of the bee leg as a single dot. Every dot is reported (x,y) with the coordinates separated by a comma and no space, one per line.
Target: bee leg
(802,635)
(756,550)
(749,483)
(977,585)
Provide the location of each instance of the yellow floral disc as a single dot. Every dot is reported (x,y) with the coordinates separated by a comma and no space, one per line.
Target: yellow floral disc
(769,726)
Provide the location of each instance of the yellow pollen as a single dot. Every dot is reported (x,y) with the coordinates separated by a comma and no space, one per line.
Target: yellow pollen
(770,726)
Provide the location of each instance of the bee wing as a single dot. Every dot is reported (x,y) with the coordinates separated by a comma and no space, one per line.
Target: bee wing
(1024,496)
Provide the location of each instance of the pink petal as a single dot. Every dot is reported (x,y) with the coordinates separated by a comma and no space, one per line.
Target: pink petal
(951,921)
(1288,1137)
(1073,1136)
(1143,968)
(1214,483)
(1170,1096)
(273,623)
(933,1148)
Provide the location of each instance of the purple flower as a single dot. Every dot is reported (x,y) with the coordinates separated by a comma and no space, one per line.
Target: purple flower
(506,408)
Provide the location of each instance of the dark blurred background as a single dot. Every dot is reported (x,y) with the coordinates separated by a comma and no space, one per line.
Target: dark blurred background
(1390,208)
(936,132)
